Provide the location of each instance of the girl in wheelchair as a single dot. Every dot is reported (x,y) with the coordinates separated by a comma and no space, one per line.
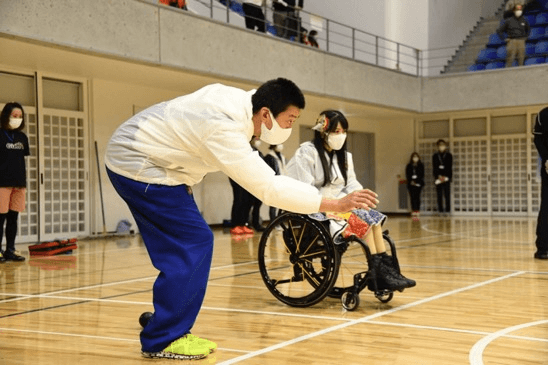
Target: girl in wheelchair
(325,163)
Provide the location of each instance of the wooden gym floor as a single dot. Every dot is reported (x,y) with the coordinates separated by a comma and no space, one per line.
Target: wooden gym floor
(480,298)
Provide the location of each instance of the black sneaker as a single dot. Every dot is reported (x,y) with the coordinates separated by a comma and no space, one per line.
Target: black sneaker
(12,256)
(2,258)
(541,255)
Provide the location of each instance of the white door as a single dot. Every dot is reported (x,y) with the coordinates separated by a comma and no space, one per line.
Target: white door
(63,159)
(57,170)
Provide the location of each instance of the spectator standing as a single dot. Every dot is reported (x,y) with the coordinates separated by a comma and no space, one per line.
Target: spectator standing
(517,30)
(293,20)
(442,164)
(241,204)
(14,147)
(414,173)
(281,11)
(540,132)
(276,160)
(254,16)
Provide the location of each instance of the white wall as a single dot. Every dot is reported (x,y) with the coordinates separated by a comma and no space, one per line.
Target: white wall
(450,21)
(422,24)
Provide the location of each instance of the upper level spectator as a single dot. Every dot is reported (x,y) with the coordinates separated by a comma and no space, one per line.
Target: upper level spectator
(181,4)
(517,30)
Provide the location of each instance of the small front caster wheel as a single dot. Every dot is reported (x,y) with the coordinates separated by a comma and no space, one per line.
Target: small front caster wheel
(350,301)
(384,297)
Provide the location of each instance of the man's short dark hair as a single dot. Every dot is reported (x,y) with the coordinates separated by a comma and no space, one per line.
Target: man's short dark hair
(277,95)
(440,141)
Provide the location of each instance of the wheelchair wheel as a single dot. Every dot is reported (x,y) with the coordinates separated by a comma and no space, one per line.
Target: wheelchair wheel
(297,260)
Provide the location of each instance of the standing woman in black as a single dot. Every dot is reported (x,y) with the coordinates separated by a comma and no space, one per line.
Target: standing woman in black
(414,173)
(442,166)
(14,146)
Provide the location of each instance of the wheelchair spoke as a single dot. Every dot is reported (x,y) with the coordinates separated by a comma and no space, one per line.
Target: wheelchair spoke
(310,276)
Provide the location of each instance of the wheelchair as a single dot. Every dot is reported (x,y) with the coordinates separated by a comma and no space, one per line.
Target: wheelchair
(301,264)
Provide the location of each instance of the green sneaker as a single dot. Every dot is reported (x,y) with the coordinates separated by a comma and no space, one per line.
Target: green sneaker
(185,348)
(212,346)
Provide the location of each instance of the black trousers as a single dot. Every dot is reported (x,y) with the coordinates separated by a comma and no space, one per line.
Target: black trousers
(415,194)
(542,222)
(240,206)
(254,17)
(444,191)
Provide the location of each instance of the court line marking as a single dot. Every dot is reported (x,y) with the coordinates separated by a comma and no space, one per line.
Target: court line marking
(365,319)
(457,330)
(476,353)
(95,337)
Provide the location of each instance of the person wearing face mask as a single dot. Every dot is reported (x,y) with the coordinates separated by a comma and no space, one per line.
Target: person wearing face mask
(442,166)
(14,147)
(517,30)
(153,160)
(276,160)
(414,173)
(326,164)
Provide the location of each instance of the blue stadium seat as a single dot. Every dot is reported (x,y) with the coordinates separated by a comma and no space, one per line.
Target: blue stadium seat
(537,33)
(531,19)
(487,54)
(494,65)
(530,49)
(535,60)
(541,48)
(476,67)
(495,41)
(541,19)
(271,29)
(501,53)
(237,8)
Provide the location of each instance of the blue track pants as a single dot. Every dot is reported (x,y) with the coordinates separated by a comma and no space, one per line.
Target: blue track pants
(180,245)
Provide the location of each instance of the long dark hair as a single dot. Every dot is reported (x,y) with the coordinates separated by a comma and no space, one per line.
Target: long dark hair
(333,118)
(6,113)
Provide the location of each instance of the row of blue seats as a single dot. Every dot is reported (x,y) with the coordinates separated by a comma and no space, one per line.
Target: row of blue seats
(537,19)
(531,49)
(537,33)
(500,64)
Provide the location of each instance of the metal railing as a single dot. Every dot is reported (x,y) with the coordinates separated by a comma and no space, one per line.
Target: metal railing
(337,38)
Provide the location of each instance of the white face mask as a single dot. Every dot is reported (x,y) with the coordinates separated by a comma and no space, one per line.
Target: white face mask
(415,159)
(275,135)
(15,122)
(518,13)
(279,148)
(336,141)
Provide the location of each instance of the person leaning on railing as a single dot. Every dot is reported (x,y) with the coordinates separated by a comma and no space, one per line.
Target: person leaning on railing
(517,30)
(181,4)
